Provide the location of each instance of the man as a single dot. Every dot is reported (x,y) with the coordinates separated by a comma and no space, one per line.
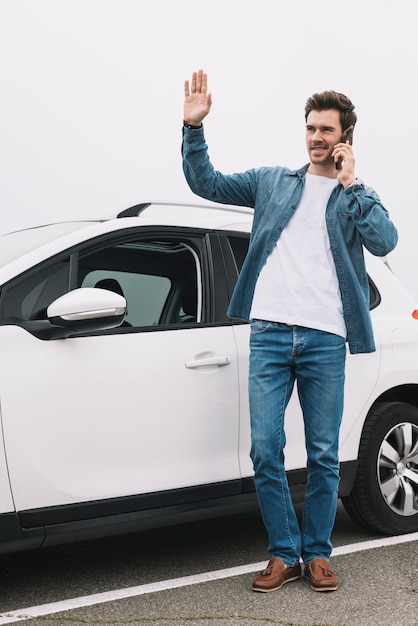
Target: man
(304,288)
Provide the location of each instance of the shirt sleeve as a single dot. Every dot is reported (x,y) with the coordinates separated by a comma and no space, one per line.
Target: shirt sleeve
(205,181)
(378,233)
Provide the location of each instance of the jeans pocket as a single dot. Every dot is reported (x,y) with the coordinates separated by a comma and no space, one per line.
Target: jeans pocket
(259,326)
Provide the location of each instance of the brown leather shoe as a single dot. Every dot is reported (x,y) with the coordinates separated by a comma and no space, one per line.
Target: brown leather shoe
(275,576)
(321,576)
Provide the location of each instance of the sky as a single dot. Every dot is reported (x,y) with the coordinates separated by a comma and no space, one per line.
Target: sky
(92,97)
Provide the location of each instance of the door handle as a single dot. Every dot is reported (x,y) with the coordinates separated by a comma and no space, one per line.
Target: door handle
(208,361)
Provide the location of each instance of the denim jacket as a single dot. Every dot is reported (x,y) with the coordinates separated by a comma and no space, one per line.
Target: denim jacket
(355,218)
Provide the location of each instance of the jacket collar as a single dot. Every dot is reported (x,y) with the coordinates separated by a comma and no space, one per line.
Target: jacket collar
(301,171)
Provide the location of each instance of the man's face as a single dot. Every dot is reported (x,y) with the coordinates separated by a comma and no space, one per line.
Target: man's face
(323,131)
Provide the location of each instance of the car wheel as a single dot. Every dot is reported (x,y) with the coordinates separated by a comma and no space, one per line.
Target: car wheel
(384,497)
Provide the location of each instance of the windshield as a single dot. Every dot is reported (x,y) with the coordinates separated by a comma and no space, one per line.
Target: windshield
(19,243)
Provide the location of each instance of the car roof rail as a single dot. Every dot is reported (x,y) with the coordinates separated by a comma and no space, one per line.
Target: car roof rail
(135,210)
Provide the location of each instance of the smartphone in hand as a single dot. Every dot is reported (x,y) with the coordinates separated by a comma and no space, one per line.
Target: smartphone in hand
(347,136)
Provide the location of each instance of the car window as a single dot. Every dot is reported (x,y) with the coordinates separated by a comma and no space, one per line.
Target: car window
(146,294)
(30,295)
(239,246)
(160,279)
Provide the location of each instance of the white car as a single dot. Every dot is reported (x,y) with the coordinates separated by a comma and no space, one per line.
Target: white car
(114,422)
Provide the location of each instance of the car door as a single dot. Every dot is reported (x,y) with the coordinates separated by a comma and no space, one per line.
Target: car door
(148,408)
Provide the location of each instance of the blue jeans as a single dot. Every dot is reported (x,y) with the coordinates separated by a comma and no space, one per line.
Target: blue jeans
(281,355)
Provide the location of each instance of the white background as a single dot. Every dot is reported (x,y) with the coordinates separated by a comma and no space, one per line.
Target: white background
(91,96)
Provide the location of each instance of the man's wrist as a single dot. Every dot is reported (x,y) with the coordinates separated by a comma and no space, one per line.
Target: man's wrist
(192,126)
(355,181)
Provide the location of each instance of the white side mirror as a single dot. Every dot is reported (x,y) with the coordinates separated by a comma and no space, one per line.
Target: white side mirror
(88,309)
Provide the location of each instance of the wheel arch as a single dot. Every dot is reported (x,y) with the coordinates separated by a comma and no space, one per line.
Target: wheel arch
(407,393)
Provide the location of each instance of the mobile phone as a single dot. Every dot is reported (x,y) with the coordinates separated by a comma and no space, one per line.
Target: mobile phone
(347,136)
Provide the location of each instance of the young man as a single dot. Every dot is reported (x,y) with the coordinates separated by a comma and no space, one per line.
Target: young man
(304,288)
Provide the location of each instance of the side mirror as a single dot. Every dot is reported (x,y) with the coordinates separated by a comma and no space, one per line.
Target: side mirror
(87,309)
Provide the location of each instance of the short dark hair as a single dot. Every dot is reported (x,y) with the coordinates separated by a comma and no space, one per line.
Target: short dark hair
(332,100)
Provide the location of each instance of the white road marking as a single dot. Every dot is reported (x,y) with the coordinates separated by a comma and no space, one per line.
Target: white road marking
(119,594)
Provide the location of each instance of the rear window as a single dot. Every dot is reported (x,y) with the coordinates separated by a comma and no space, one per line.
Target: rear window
(239,246)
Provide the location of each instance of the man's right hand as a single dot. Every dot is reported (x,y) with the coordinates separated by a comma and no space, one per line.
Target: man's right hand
(197,101)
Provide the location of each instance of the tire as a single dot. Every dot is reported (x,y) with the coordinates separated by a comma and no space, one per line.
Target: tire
(384,497)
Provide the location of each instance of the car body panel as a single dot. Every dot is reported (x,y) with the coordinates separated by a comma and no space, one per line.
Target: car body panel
(96,415)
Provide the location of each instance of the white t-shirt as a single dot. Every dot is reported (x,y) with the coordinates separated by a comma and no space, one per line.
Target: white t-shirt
(298,283)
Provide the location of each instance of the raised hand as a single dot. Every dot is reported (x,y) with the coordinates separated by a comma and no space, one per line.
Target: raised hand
(197,100)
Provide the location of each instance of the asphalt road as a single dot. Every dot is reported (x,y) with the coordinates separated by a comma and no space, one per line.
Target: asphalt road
(379,586)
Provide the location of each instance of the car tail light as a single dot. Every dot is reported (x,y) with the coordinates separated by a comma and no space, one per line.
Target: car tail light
(415,314)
